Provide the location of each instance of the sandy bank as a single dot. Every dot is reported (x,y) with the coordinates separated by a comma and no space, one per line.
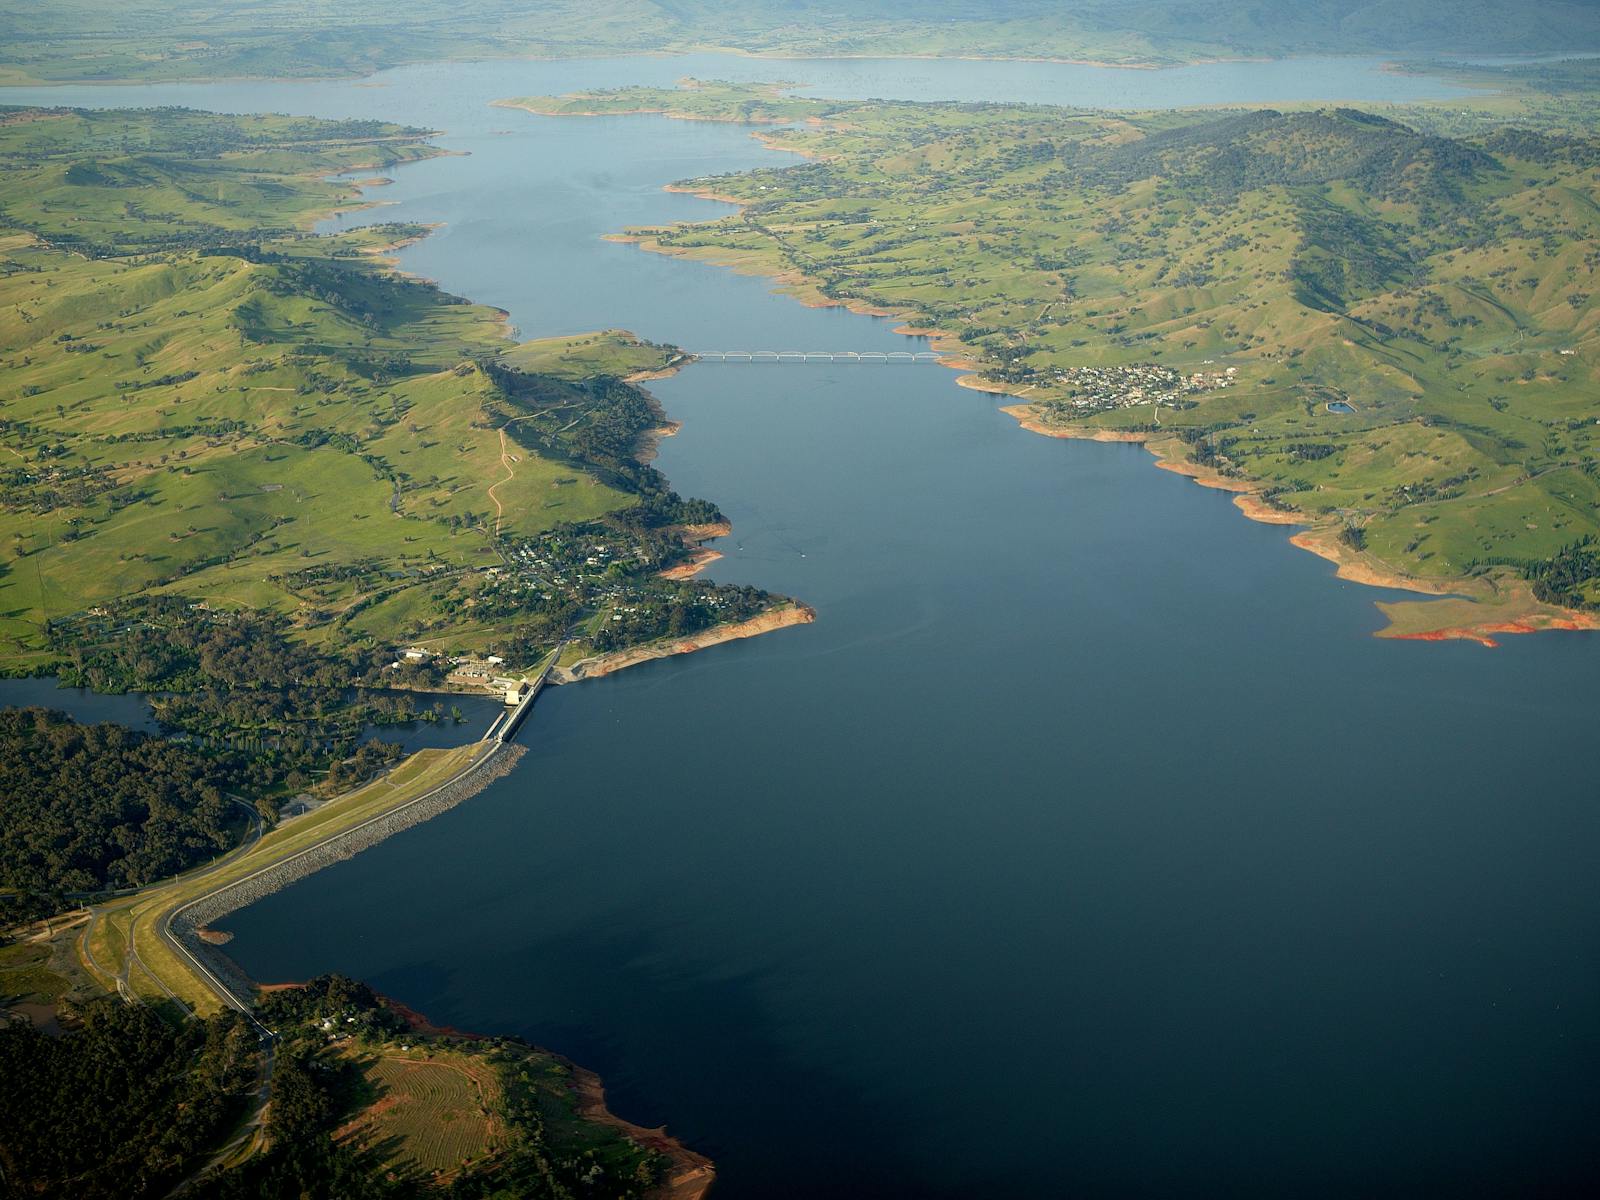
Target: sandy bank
(607,664)
(1484,632)
(688,1176)
(649,443)
(706,531)
(385,251)
(1359,568)
(705,194)
(699,559)
(655,373)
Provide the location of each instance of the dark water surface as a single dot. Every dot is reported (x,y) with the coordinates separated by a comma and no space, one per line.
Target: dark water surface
(84,705)
(134,711)
(1088,844)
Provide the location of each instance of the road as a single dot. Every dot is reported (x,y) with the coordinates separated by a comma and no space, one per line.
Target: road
(220,988)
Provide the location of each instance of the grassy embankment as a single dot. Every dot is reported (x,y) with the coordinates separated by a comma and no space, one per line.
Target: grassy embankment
(132,927)
(1442,289)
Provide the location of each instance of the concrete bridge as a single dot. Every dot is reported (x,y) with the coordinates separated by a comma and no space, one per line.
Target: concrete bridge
(810,356)
(505,725)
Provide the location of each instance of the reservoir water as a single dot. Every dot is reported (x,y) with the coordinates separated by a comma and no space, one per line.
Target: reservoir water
(1087,844)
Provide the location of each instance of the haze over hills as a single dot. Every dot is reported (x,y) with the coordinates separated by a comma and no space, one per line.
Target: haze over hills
(99,39)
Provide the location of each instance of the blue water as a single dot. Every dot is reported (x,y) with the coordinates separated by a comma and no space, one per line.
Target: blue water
(84,705)
(1087,844)
(426,92)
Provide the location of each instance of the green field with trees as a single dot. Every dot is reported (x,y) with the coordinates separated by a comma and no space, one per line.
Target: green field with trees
(205,401)
(150,1104)
(242,464)
(1383,332)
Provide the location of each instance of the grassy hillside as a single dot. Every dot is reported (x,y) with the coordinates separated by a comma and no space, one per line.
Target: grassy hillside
(367,1101)
(1389,335)
(242,465)
(191,386)
(203,400)
(98,39)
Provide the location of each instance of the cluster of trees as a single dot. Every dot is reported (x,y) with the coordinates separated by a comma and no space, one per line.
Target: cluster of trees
(367,761)
(676,610)
(1568,577)
(122,1107)
(594,424)
(87,807)
(126,1106)
(236,682)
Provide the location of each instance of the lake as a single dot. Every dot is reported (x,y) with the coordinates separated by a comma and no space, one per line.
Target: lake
(1088,842)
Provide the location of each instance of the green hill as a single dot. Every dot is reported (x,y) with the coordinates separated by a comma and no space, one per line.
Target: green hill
(203,401)
(1383,333)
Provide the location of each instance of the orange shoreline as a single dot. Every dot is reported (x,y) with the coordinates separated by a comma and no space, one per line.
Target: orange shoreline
(700,558)
(600,665)
(1319,539)
(1484,634)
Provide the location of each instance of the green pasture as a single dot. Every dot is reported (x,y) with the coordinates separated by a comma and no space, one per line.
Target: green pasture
(198,398)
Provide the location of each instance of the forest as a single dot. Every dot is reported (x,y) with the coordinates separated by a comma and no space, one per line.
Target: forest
(89,807)
(150,1102)
(145,1101)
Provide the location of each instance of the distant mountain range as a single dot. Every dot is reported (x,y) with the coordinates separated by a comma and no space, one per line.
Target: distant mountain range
(134,39)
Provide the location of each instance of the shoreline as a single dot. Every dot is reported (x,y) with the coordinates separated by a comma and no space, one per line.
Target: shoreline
(600,665)
(1352,566)
(700,558)
(364,78)
(691,1174)
(1319,537)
